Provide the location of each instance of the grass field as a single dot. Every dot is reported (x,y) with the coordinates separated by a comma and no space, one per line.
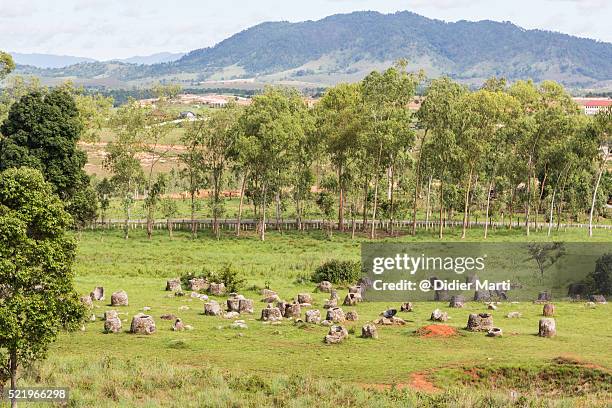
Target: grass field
(288,364)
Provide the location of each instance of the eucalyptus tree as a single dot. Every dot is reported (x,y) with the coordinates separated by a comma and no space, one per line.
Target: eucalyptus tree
(548,121)
(498,144)
(339,120)
(215,139)
(305,152)
(104,190)
(439,114)
(122,159)
(603,130)
(480,138)
(270,129)
(389,132)
(192,170)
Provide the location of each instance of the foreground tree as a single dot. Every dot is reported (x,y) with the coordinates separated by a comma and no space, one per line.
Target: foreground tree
(37,296)
(42,131)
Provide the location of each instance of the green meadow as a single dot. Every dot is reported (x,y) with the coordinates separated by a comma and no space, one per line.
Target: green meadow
(288,364)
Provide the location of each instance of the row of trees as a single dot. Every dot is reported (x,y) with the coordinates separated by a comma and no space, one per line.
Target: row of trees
(500,149)
(496,152)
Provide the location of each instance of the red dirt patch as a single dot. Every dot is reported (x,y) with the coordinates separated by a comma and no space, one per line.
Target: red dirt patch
(436,330)
(419,382)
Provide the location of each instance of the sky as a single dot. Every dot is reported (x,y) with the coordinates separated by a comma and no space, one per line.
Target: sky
(107,29)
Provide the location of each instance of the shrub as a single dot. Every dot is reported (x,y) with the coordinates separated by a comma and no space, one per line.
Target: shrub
(601,278)
(229,276)
(338,272)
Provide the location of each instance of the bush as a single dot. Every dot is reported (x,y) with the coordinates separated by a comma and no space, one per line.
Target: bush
(338,272)
(229,276)
(601,278)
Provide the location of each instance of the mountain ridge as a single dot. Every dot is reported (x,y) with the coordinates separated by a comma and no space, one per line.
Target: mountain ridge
(348,46)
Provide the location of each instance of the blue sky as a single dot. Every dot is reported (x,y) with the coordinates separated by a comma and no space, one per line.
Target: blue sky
(106,29)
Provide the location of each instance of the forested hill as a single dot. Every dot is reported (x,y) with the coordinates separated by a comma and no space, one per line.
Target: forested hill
(347,46)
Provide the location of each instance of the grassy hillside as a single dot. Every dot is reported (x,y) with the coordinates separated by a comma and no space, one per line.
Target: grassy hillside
(348,46)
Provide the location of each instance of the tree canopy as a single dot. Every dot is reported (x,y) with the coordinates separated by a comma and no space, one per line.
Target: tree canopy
(41,132)
(37,297)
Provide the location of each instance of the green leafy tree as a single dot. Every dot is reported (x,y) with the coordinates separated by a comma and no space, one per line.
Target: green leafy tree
(41,132)
(6,64)
(169,209)
(37,296)
(193,171)
(15,87)
(152,200)
(270,128)
(83,207)
(389,133)
(339,121)
(439,115)
(122,155)
(603,129)
(104,190)
(480,124)
(217,137)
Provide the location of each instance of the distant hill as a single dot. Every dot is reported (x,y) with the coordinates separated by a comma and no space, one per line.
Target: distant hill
(348,46)
(47,60)
(153,58)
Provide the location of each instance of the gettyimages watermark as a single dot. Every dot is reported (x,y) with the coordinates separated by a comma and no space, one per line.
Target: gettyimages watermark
(482,271)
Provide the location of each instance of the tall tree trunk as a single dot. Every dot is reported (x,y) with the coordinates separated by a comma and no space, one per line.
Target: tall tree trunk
(340,199)
(417,184)
(373,227)
(467,203)
(353,220)
(601,170)
(427,206)
(194,227)
(552,207)
(441,207)
(561,198)
(527,210)
(262,230)
(511,209)
(277,210)
(13,372)
(127,221)
(539,203)
(486,227)
(391,201)
(298,213)
(149,224)
(169,226)
(365,206)
(376,182)
(242,188)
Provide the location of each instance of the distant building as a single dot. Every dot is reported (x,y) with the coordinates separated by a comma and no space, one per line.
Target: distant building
(591,106)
